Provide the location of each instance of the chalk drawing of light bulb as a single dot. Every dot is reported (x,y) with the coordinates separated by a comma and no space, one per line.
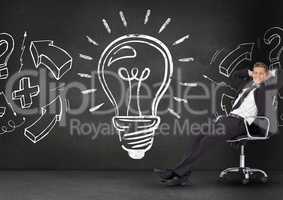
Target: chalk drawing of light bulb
(6,49)
(136,130)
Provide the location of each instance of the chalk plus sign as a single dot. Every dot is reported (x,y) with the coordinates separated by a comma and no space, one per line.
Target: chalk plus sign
(25,93)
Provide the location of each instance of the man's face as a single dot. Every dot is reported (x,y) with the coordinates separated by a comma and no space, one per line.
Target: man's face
(259,75)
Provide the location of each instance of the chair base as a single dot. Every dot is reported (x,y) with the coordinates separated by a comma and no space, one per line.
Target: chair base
(246,172)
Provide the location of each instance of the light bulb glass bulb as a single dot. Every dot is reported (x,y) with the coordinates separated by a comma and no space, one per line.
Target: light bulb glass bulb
(136,131)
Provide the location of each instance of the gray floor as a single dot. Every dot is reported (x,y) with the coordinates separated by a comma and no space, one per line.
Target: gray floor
(98,185)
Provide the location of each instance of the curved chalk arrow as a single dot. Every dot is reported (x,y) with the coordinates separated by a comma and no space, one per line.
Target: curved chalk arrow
(56,59)
(235,57)
(41,127)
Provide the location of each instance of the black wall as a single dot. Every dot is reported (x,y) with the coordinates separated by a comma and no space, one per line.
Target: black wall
(212,25)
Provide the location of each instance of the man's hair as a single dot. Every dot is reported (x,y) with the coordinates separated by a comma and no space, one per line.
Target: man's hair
(262,65)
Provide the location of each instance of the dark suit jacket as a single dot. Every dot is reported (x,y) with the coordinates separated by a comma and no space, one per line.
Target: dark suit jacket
(265,97)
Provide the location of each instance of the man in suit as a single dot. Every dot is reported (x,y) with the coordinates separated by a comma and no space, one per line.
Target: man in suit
(257,90)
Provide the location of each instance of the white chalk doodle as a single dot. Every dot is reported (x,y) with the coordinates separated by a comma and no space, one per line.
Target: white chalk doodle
(218,116)
(136,142)
(206,77)
(92,41)
(46,122)
(271,35)
(88,91)
(95,108)
(133,141)
(23,47)
(182,39)
(67,105)
(2,111)
(7,43)
(171,111)
(125,75)
(164,25)
(215,55)
(54,58)
(85,57)
(122,16)
(5,100)
(186,59)
(12,126)
(106,25)
(131,53)
(5,109)
(189,84)
(221,83)
(146,18)
(26,92)
(83,75)
(178,99)
(186,84)
(235,57)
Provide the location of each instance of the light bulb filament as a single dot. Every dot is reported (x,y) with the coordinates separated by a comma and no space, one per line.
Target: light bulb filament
(125,75)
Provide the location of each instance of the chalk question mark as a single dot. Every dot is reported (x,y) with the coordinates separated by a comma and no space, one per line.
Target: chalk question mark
(274,34)
(6,49)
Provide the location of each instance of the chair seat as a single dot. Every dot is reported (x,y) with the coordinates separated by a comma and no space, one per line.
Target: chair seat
(244,138)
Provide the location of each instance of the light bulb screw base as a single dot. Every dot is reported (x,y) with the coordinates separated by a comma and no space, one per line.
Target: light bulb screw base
(136,133)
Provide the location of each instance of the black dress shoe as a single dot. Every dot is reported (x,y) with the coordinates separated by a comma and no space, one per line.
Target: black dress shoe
(164,174)
(177,181)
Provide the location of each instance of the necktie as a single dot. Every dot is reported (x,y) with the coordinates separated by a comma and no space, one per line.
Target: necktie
(245,94)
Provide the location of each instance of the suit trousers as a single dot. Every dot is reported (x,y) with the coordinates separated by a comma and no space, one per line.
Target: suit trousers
(234,127)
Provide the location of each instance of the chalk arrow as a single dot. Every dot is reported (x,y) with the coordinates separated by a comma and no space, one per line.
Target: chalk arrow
(54,58)
(41,127)
(235,57)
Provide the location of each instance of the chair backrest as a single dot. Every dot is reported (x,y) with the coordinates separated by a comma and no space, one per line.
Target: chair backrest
(260,127)
(271,102)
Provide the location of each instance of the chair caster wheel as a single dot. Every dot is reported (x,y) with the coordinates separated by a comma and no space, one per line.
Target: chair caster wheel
(264,179)
(245,181)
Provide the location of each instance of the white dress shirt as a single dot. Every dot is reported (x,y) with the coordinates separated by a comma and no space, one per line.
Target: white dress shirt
(247,108)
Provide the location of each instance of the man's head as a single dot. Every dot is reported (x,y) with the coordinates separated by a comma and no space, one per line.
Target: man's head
(260,72)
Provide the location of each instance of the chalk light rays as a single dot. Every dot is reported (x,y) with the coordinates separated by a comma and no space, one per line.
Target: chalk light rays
(106,24)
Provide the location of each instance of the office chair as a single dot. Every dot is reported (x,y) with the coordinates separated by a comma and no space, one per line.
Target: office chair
(247,172)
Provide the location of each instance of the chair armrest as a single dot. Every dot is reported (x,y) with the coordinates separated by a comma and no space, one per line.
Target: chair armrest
(261,118)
